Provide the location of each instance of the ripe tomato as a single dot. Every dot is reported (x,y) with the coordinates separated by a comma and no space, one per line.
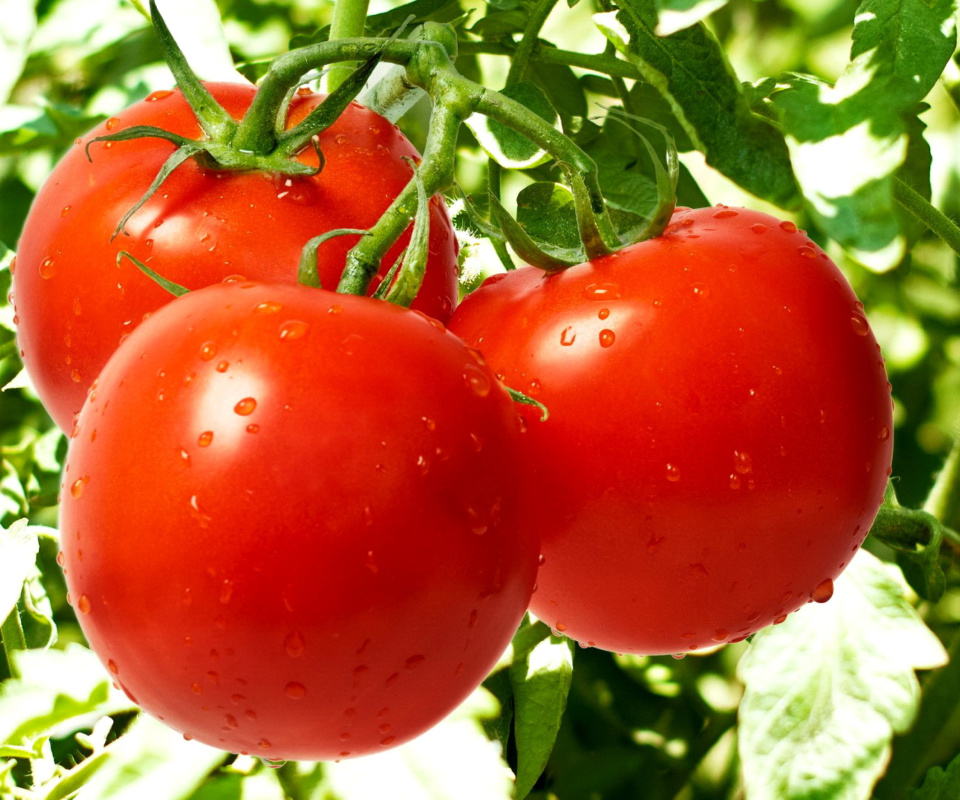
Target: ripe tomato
(289,520)
(75,303)
(719,435)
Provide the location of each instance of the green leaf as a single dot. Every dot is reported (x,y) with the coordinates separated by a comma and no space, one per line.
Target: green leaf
(547,212)
(691,72)
(541,680)
(452,761)
(18,554)
(507,147)
(939,784)
(827,690)
(149,755)
(676,15)
(19,24)
(55,687)
(847,141)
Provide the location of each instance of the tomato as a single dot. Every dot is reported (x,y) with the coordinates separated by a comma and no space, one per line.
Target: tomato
(75,303)
(719,436)
(289,520)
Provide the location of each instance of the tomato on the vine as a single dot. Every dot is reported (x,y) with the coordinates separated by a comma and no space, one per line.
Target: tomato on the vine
(289,520)
(720,429)
(75,302)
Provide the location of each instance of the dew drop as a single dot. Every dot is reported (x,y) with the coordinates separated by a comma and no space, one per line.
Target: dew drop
(295,690)
(245,407)
(388,741)
(788,226)
(602,291)
(673,473)
(560,627)
(231,721)
(205,439)
(293,329)
(542,559)
(780,620)
(758,228)
(208,351)
(47,269)
(112,666)
(76,488)
(823,592)
(335,310)
(607,337)
(253,428)
(720,635)
(477,380)
(701,291)
(223,366)
(806,251)
(201,516)
(743,464)
(859,324)
(162,94)
(264,744)
(734,481)
(414,662)
(268,307)
(226,591)
(294,644)
(884,434)
(83,604)
(75,376)
(724,213)
(474,616)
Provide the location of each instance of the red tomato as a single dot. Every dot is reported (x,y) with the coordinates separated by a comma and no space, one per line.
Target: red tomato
(289,520)
(719,435)
(75,303)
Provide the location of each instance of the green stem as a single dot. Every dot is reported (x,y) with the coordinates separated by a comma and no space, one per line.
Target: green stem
(940,698)
(603,63)
(943,502)
(924,211)
(349,21)
(257,133)
(11,636)
(529,41)
(436,173)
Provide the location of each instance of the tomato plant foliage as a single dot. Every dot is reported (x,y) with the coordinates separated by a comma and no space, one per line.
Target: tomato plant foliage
(303,525)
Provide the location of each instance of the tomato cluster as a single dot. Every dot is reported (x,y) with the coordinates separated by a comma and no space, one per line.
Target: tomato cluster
(302,524)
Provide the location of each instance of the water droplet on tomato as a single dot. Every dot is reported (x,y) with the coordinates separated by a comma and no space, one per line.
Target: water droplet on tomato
(720,635)
(162,94)
(700,291)
(245,407)
(823,592)
(673,473)
(474,617)
(223,366)
(83,604)
(859,324)
(253,428)
(724,213)
(388,741)
(560,627)
(806,251)
(607,337)
(423,464)
(884,434)
(76,488)
(293,329)
(294,644)
(780,620)
(112,666)
(350,344)
(201,516)
(264,744)
(414,662)
(567,336)
(758,228)
(48,268)
(534,388)
(231,721)
(208,351)
(477,380)
(602,291)
(205,439)
(734,481)
(386,727)
(295,690)
(267,307)
(226,591)
(742,462)
(392,679)
(788,226)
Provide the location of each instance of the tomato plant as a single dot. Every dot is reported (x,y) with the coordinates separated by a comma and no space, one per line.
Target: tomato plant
(276,539)
(75,302)
(719,436)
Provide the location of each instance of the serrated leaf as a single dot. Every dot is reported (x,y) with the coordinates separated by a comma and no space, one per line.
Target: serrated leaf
(55,686)
(675,15)
(847,141)
(939,783)
(19,23)
(505,146)
(690,71)
(452,761)
(541,682)
(18,554)
(826,691)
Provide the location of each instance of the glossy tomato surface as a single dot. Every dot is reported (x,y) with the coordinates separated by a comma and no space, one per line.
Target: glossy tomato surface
(719,436)
(289,520)
(75,302)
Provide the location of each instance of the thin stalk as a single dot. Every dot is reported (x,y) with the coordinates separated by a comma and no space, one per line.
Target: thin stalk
(603,63)
(529,41)
(349,21)
(922,209)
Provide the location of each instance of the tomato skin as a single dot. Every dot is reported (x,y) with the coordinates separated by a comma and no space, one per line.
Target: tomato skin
(720,429)
(289,520)
(75,303)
